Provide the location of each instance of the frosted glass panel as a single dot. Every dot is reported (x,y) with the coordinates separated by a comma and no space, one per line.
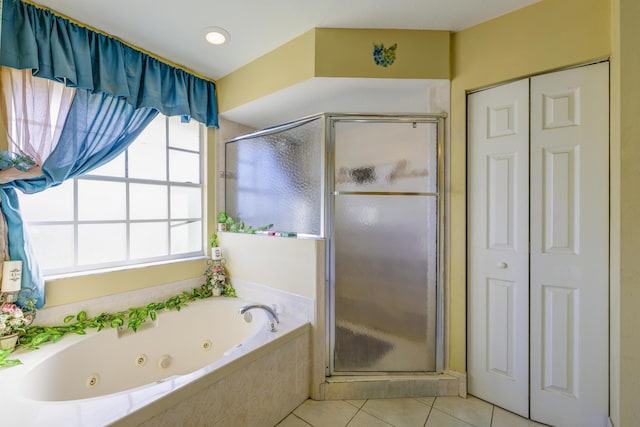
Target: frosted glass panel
(101,200)
(148,153)
(277,179)
(184,166)
(56,241)
(186,237)
(101,243)
(184,135)
(148,201)
(385,282)
(384,156)
(186,202)
(58,199)
(149,240)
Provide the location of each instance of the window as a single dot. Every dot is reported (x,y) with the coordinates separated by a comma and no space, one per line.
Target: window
(144,206)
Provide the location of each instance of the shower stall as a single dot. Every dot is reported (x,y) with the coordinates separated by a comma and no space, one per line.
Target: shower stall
(372,185)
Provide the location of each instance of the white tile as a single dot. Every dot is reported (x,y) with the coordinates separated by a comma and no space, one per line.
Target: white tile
(293,421)
(440,419)
(357,403)
(426,400)
(286,303)
(362,419)
(233,420)
(471,410)
(502,418)
(329,413)
(398,412)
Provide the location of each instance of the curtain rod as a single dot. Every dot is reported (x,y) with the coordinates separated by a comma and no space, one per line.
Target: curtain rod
(95,30)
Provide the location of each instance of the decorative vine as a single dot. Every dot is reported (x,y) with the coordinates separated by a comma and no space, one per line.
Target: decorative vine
(133,318)
(237,226)
(5,362)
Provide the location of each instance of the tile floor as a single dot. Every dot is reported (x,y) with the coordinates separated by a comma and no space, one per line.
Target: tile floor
(408,412)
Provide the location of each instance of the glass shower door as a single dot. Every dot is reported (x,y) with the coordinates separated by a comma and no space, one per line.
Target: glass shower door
(384,255)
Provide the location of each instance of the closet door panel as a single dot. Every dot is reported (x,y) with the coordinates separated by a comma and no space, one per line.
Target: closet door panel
(498,236)
(570,246)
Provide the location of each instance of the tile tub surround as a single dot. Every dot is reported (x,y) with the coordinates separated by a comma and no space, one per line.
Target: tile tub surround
(287,303)
(305,308)
(260,393)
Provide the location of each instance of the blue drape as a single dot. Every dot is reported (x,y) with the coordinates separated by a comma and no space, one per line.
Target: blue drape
(60,50)
(98,128)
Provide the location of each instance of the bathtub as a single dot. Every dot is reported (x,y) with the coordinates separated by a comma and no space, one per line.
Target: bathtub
(204,365)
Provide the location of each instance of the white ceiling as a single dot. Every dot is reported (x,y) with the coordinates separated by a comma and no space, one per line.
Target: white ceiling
(175,29)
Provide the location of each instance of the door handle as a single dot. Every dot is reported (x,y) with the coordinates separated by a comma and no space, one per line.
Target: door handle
(503,265)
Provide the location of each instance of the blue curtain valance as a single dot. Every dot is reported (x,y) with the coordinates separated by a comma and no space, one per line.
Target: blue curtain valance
(61,50)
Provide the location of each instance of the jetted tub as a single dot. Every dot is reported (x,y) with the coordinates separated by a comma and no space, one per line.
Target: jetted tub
(125,378)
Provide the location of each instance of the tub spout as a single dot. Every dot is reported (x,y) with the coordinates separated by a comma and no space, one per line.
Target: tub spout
(271,313)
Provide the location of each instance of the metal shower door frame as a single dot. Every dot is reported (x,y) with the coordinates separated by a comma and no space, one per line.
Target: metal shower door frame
(329,229)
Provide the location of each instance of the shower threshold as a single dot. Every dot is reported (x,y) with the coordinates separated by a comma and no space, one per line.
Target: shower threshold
(392,386)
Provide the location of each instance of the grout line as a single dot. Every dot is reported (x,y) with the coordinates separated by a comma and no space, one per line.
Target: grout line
(352,404)
(377,418)
(429,414)
(493,408)
(453,416)
(354,415)
(425,404)
(302,419)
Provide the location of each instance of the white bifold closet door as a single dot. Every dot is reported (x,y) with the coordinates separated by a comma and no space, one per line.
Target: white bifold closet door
(538,235)
(498,246)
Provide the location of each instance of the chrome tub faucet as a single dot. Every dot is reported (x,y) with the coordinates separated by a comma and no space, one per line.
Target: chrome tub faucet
(271,313)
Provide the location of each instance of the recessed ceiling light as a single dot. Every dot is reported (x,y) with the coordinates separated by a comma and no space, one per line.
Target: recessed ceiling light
(216,35)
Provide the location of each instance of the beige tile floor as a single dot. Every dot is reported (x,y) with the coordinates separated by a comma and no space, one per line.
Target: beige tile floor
(408,412)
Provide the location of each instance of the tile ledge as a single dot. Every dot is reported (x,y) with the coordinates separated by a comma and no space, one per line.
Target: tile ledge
(394,377)
(390,386)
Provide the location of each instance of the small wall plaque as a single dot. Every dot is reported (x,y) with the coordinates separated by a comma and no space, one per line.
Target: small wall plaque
(12,276)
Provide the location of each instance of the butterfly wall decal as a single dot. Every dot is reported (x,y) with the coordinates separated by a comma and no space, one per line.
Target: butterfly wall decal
(384,56)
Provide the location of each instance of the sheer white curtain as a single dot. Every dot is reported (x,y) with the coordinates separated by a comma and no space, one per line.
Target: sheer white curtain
(32,113)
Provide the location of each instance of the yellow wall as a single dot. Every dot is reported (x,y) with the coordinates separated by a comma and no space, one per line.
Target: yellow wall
(614,215)
(336,52)
(625,284)
(271,72)
(289,264)
(83,287)
(348,53)
(545,36)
